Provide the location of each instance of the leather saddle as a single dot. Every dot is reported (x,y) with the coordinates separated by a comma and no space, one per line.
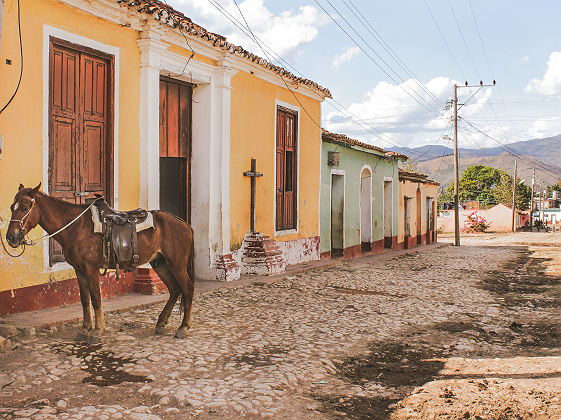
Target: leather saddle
(120,244)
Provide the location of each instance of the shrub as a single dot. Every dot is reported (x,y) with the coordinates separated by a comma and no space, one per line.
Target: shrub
(475,224)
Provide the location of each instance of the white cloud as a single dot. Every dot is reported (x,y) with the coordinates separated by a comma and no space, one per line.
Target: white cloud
(525,59)
(400,112)
(283,33)
(545,127)
(550,85)
(391,110)
(345,56)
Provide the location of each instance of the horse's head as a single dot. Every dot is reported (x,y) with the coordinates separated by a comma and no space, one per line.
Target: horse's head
(25,215)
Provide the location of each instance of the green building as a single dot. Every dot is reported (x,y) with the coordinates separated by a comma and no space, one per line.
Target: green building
(358,198)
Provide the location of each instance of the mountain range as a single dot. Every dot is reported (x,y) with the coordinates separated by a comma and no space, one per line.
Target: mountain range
(544,155)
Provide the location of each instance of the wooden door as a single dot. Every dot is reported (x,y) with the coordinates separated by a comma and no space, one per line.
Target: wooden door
(80,158)
(286,168)
(175,147)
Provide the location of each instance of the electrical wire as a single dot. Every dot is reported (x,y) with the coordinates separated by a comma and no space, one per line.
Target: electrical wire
(425,105)
(332,102)
(444,39)
(556,171)
(21,61)
(284,81)
(184,36)
(376,35)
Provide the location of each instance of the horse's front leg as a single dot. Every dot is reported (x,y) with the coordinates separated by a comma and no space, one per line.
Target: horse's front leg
(85,299)
(92,274)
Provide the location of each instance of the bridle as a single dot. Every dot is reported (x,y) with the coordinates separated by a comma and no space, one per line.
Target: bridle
(23,221)
(23,226)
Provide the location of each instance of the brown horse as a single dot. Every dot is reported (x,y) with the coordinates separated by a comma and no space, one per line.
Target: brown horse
(168,247)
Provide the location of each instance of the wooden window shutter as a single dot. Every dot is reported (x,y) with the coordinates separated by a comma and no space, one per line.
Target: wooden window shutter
(286,169)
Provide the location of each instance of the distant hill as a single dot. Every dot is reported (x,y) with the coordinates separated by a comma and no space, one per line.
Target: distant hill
(437,161)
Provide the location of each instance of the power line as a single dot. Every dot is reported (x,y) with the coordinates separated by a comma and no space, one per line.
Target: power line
(356,120)
(424,105)
(376,35)
(486,56)
(543,166)
(444,39)
(21,60)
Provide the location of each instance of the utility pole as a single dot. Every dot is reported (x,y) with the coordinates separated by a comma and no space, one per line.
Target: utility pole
(532,202)
(514,197)
(540,208)
(456,172)
(456,163)
(543,206)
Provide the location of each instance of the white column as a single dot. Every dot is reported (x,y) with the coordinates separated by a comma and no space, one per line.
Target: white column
(150,52)
(200,178)
(210,202)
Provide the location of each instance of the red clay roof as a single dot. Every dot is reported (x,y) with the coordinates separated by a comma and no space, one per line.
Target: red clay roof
(342,138)
(167,14)
(416,176)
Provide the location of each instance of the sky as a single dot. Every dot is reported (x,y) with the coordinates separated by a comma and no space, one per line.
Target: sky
(391,66)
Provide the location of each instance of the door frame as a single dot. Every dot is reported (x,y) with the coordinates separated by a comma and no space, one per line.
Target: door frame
(338,172)
(188,181)
(112,54)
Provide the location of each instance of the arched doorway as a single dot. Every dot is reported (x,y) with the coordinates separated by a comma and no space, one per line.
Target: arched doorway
(366,210)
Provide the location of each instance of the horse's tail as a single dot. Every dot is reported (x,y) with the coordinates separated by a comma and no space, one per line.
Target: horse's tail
(191,261)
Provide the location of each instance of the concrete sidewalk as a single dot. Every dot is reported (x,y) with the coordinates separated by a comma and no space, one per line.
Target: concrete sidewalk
(46,318)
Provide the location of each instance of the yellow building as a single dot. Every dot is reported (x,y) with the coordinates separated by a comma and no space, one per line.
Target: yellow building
(114,100)
(418,196)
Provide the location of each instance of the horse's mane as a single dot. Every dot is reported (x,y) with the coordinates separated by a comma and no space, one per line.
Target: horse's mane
(61,201)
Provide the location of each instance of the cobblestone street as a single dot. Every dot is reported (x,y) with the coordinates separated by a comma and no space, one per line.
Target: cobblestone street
(450,332)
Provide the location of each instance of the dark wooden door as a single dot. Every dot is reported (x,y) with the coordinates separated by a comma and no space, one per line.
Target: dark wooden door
(79,145)
(286,176)
(175,147)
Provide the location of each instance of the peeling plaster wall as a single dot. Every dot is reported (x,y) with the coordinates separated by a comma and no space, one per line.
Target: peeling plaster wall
(22,123)
(408,189)
(352,161)
(253,121)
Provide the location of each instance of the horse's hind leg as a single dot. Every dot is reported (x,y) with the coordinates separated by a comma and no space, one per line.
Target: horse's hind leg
(160,267)
(187,286)
(85,299)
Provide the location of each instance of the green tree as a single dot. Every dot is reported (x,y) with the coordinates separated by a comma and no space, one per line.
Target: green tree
(554,187)
(503,192)
(476,184)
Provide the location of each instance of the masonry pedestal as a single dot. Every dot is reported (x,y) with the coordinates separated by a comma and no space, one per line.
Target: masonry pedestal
(147,282)
(261,255)
(225,268)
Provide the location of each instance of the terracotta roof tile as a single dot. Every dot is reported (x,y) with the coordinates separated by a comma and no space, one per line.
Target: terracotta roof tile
(342,138)
(174,18)
(416,176)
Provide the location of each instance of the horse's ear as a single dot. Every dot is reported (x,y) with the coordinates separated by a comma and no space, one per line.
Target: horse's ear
(21,187)
(33,192)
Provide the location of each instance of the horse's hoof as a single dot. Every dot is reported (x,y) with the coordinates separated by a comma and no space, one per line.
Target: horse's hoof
(160,329)
(181,333)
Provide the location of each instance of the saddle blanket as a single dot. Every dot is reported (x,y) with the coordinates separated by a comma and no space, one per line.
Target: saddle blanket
(98,226)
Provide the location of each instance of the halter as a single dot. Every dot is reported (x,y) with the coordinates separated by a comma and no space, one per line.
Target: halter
(23,224)
(23,221)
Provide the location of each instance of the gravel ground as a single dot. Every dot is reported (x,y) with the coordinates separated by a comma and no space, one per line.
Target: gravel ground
(450,333)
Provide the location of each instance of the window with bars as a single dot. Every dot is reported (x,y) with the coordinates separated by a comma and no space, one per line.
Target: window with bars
(287,169)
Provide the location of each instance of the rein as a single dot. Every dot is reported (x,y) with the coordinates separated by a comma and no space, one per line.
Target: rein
(47,236)
(6,249)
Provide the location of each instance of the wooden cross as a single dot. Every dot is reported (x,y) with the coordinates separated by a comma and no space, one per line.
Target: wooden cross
(253,174)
